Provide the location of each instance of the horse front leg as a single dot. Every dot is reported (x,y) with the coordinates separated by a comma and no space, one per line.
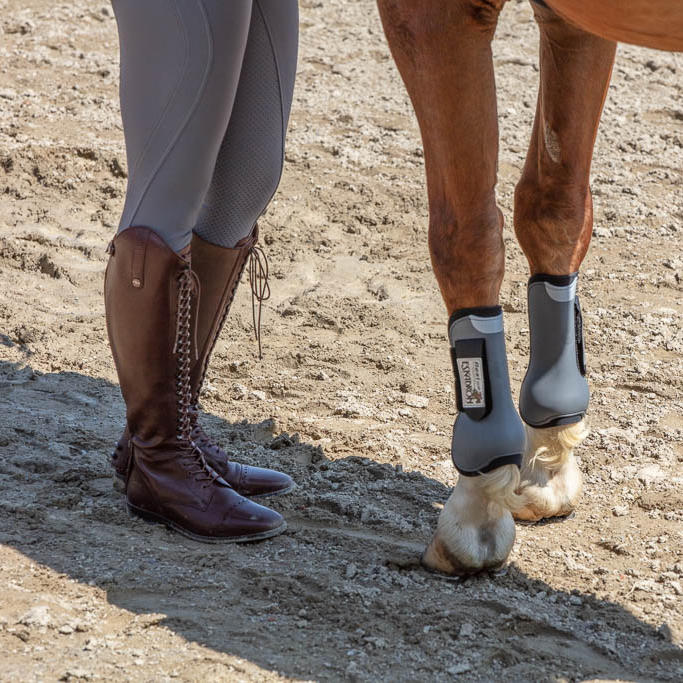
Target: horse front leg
(443,52)
(553,223)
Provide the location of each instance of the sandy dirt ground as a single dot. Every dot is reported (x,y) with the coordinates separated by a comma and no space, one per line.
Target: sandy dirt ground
(354,396)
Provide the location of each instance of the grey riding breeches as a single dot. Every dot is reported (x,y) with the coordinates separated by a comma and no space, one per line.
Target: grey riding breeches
(206,90)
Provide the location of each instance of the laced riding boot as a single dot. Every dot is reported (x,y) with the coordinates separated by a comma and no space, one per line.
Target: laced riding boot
(219,271)
(149,291)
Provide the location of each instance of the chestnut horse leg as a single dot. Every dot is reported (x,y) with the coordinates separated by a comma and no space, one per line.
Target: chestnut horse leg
(443,51)
(553,223)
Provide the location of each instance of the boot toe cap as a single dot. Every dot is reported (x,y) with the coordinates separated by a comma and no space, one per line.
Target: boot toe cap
(249,518)
(259,481)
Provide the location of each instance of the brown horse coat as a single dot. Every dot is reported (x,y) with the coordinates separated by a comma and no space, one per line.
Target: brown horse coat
(652,23)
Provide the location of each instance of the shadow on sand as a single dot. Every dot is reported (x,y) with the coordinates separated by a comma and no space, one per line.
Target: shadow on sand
(340,595)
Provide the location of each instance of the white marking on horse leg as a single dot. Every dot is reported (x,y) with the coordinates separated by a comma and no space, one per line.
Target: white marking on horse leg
(551,479)
(552,142)
(475,530)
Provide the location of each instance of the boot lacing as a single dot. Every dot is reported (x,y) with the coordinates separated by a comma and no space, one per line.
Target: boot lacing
(260,289)
(188,285)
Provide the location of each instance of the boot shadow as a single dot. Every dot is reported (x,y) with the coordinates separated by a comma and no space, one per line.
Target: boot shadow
(340,595)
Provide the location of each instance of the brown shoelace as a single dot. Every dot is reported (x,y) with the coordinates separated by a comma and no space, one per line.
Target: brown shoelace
(204,441)
(188,285)
(260,289)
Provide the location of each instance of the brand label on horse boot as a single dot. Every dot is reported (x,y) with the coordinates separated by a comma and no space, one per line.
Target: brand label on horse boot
(471,377)
(472,383)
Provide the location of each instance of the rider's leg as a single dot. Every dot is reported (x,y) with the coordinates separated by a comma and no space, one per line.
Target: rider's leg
(180,67)
(177,90)
(245,178)
(250,160)
(249,164)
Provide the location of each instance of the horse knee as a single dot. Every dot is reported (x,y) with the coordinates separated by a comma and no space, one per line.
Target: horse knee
(484,13)
(550,199)
(458,225)
(419,22)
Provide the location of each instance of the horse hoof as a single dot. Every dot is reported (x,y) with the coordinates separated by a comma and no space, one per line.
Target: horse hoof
(551,480)
(475,531)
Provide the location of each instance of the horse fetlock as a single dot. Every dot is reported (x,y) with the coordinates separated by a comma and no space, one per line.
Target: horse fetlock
(554,391)
(475,530)
(553,399)
(551,481)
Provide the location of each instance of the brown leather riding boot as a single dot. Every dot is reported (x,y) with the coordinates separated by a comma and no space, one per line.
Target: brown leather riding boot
(219,271)
(149,291)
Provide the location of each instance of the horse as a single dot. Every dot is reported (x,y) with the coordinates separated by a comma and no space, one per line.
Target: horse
(651,23)
(513,465)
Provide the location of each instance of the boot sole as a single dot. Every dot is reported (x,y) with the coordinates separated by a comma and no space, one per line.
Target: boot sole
(154,518)
(271,494)
(119,484)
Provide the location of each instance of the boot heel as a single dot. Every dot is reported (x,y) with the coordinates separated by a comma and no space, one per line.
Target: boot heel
(149,517)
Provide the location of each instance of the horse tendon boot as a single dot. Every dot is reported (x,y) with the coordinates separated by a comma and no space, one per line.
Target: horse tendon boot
(553,399)
(476,530)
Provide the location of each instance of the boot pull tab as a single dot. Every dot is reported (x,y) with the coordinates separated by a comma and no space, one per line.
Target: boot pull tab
(260,289)
(137,265)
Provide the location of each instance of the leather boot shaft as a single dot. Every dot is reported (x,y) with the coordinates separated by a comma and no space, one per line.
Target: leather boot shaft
(219,270)
(142,291)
